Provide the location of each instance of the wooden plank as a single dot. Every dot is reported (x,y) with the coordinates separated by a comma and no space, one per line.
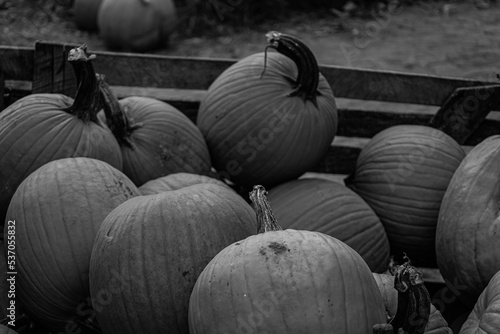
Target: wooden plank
(145,70)
(465,110)
(17,62)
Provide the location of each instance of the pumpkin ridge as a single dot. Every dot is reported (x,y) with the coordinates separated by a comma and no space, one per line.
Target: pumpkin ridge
(375,198)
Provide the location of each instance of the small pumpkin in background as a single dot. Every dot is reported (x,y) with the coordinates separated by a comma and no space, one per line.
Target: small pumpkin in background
(467,244)
(485,316)
(44,127)
(85,12)
(287,281)
(136,25)
(403,174)
(268,127)
(159,244)
(385,282)
(155,138)
(58,210)
(176,181)
(333,209)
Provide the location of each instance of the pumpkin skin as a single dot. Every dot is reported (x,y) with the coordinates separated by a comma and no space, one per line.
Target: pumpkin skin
(403,173)
(165,142)
(85,12)
(485,316)
(286,282)
(159,244)
(44,127)
(136,25)
(58,210)
(333,209)
(251,125)
(466,238)
(436,325)
(176,181)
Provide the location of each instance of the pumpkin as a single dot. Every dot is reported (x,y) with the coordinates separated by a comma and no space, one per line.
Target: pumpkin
(6,330)
(467,246)
(333,209)
(403,173)
(155,138)
(85,12)
(285,281)
(485,316)
(43,127)
(137,25)
(436,324)
(57,211)
(176,181)
(269,127)
(158,245)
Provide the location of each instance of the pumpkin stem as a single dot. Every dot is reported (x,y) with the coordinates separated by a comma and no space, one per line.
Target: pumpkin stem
(265,217)
(414,302)
(87,103)
(116,118)
(306,84)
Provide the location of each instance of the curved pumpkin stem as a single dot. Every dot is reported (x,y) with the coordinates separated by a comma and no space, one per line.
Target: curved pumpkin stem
(265,217)
(87,103)
(306,84)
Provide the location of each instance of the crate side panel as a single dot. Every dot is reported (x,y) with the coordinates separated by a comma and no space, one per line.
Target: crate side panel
(17,62)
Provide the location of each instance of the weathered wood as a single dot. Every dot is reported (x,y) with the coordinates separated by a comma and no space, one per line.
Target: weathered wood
(17,62)
(465,110)
(146,70)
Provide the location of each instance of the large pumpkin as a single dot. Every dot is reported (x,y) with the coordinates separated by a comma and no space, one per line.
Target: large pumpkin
(271,127)
(287,281)
(403,173)
(43,127)
(467,244)
(57,211)
(158,245)
(485,317)
(155,138)
(333,209)
(176,181)
(138,25)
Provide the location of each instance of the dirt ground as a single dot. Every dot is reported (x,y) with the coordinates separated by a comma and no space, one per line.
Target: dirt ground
(456,39)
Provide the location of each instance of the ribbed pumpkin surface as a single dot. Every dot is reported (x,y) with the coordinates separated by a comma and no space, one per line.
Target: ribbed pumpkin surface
(403,174)
(166,141)
(158,245)
(286,282)
(485,317)
(467,245)
(58,210)
(34,131)
(258,135)
(176,181)
(332,208)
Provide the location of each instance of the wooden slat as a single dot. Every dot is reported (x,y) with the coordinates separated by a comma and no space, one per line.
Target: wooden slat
(147,70)
(465,110)
(17,62)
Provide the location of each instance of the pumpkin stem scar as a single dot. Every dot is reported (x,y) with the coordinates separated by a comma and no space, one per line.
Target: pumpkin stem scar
(265,219)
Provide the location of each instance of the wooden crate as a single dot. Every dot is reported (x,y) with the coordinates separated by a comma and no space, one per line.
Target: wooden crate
(369,101)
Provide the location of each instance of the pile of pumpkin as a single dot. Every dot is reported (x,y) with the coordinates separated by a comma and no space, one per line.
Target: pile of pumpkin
(129,218)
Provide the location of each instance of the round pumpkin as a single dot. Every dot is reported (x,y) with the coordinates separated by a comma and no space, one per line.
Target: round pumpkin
(57,211)
(403,173)
(333,209)
(436,324)
(155,138)
(137,25)
(269,127)
(44,127)
(176,181)
(485,316)
(85,12)
(287,281)
(467,245)
(149,252)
